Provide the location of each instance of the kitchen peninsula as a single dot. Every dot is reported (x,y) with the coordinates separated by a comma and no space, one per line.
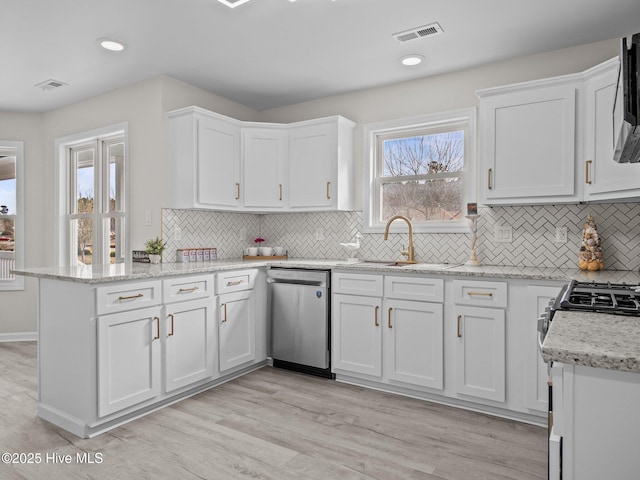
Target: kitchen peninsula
(140,336)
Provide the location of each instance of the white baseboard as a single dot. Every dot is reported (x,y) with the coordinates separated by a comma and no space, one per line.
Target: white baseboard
(19,337)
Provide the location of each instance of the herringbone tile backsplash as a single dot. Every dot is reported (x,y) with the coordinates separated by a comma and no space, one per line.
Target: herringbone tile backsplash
(533,235)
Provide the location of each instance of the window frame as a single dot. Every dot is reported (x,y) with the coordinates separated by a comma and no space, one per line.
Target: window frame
(17,282)
(65,212)
(428,123)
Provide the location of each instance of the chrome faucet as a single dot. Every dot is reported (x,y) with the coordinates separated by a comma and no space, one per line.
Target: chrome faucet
(409,252)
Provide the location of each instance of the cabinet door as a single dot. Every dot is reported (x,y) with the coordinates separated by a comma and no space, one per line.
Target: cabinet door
(236,329)
(537,393)
(128,359)
(218,165)
(528,146)
(605,178)
(480,352)
(356,334)
(189,343)
(264,158)
(313,158)
(413,344)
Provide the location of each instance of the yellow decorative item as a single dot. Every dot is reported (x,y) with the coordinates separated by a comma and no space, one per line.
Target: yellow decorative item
(590,256)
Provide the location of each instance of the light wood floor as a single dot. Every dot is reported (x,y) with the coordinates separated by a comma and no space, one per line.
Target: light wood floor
(272,425)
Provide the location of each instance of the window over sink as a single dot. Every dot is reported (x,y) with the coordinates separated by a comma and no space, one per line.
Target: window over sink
(422,168)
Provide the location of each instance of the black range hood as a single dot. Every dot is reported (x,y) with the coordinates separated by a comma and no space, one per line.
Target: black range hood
(627,106)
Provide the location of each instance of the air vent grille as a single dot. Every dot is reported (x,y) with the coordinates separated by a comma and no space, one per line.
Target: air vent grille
(50,84)
(419,32)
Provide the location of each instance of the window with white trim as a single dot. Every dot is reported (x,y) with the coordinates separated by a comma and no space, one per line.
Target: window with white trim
(11,214)
(422,168)
(93,219)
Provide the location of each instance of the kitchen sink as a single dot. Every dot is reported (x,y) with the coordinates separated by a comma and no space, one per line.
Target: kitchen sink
(409,266)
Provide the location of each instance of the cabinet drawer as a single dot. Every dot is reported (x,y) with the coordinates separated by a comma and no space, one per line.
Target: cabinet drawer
(479,293)
(235,281)
(129,296)
(187,288)
(357,284)
(414,288)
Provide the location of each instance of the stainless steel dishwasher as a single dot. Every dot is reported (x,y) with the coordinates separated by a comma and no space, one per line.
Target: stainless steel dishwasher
(299,319)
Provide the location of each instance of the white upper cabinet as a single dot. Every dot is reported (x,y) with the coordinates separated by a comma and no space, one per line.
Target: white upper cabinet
(221,163)
(321,164)
(264,157)
(551,141)
(527,143)
(605,179)
(205,151)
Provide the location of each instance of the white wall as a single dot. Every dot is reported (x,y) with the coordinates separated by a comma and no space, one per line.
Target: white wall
(18,308)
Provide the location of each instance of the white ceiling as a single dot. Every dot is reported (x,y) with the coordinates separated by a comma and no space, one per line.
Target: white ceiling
(268,53)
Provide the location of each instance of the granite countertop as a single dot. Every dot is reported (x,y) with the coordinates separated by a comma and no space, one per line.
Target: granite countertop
(596,340)
(135,271)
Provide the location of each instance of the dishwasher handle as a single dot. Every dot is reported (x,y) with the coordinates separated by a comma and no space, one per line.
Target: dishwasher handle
(315,283)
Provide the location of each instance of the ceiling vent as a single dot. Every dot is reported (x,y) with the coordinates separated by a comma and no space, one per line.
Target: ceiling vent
(419,32)
(233,3)
(50,84)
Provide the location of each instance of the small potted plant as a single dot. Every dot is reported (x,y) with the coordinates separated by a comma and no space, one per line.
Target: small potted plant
(154,248)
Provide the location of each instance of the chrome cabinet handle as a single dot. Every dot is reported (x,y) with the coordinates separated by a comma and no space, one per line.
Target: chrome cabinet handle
(280,185)
(237,191)
(490,179)
(328,190)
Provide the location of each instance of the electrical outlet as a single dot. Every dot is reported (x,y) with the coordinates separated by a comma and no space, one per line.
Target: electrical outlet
(319,234)
(503,234)
(177,233)
(147,218)
(562,235)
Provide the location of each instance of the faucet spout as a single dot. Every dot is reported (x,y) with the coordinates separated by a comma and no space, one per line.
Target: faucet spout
(409,253)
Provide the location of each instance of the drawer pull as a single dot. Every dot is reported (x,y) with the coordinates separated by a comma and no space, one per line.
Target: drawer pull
(490,179)
(131,297)
(377,324)
(280,185)
(171,332)
(328,190)
(188,290)
(237,191)
(233,284)
(157,337)
(389,318)
(459,326)
(481,294)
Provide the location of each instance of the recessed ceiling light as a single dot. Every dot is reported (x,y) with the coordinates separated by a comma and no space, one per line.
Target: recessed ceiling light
(112,45)
(411,60)
(233,3)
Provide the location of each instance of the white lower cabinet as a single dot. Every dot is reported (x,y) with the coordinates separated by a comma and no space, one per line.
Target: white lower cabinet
(397,341)
(413,342)
(480,352)
(190,341)
(128,359)
(236,330)
(356,334)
